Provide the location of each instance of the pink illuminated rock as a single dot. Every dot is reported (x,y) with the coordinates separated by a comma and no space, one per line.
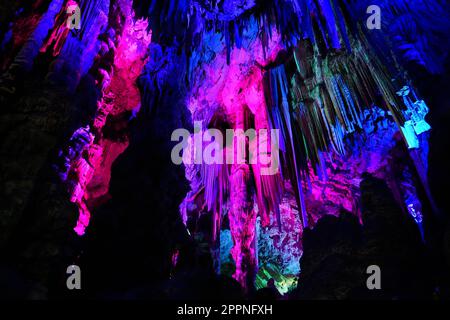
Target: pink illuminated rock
(120,94)
(234,92)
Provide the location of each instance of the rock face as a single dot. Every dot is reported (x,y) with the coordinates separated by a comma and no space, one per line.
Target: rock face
(338,251)
(146,189)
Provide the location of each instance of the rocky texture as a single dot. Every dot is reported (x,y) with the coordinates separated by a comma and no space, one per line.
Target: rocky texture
(438,229)
(338,251)
(135,233)
(87,166)
(280,249)
(35,212)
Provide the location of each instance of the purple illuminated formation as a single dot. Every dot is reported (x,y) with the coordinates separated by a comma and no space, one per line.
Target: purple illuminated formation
(349,104)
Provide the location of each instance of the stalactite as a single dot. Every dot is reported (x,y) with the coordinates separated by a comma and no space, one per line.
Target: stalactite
(89,174)
(24,60)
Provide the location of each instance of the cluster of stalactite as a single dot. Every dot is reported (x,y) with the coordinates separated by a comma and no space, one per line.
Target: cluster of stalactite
(323,103)
(318,94)
(187,22)
(92,149)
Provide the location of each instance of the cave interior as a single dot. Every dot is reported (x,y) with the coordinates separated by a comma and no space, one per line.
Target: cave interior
(351,96)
